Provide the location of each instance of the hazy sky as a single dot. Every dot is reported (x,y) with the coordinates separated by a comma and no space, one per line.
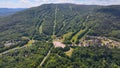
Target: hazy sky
(32,3)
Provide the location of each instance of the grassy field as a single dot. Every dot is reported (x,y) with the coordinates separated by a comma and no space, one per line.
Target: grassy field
(69,53)
(30,42)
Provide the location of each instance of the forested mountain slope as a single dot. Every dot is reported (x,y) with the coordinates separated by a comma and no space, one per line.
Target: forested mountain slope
(61,36)
(58,19)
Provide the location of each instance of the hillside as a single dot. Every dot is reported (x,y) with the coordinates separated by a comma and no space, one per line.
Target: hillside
(61,19)
(61,36)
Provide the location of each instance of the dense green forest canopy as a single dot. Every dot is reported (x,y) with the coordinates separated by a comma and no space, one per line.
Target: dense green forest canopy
(81,57)
(84,57)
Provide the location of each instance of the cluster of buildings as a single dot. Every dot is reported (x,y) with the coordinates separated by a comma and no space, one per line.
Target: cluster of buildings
(100,41)
(11,42)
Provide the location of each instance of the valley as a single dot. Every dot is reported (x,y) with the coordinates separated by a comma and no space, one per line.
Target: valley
(9,11)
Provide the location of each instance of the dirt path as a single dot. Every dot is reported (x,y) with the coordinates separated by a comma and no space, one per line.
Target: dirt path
(45,58)
(16,48)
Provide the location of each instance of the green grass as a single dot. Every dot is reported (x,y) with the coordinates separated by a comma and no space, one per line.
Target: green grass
(67,36)
(69,53)
(79,35)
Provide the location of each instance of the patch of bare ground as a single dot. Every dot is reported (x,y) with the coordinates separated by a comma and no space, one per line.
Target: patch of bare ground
(58,44)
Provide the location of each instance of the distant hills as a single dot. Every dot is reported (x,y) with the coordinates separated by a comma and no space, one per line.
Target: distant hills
(58,19)
(8,11)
